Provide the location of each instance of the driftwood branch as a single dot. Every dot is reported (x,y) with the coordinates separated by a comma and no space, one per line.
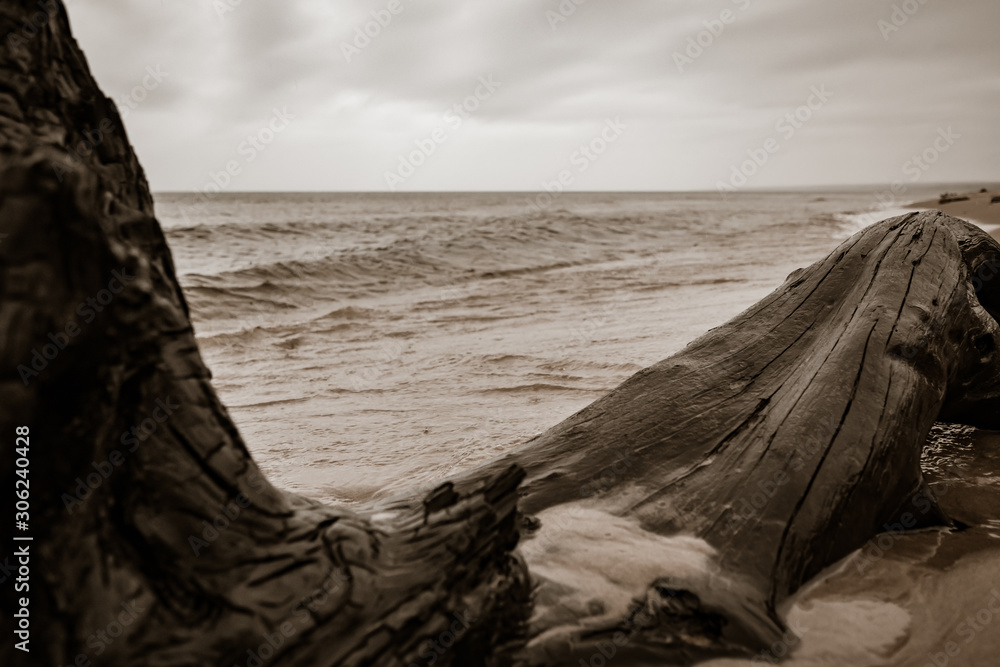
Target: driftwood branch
(775,445)
(669,519)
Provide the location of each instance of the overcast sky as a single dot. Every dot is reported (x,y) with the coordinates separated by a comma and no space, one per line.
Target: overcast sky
(663,95)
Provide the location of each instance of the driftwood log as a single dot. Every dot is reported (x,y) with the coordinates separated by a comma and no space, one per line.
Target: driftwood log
(775,445)
(668,520)
(144,502)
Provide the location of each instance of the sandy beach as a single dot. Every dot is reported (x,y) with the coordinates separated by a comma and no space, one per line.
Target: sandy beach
(981,208)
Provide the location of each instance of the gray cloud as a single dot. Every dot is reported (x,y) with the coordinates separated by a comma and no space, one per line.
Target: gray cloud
(228,71)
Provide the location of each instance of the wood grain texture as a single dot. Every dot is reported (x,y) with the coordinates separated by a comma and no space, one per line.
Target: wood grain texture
(185,530)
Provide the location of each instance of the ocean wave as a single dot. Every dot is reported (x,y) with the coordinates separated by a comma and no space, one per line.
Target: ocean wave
(577,365)
(348,313)
(852,222)
(288,334)
(314,257)
(249,229)
(502,251)
(217,302)
(534,387)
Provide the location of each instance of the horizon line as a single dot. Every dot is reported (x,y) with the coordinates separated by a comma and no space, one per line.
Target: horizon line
(987,184)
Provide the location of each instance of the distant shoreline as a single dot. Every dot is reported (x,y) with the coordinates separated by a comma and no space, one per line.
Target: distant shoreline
(981,208)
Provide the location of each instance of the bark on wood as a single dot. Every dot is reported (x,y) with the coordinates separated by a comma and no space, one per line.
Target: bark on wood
(166,532)
(725,476)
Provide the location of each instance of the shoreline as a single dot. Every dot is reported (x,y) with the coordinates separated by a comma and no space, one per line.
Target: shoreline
(981,208)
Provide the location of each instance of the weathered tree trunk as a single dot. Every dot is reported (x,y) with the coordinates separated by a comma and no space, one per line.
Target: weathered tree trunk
(670,518)
(142,493)
(775,445)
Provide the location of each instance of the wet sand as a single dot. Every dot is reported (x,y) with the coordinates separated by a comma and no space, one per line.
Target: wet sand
(978,208)
(907,599)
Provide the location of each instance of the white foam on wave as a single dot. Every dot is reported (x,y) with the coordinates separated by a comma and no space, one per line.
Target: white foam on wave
(852,223)
(610,558)
(591,565)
